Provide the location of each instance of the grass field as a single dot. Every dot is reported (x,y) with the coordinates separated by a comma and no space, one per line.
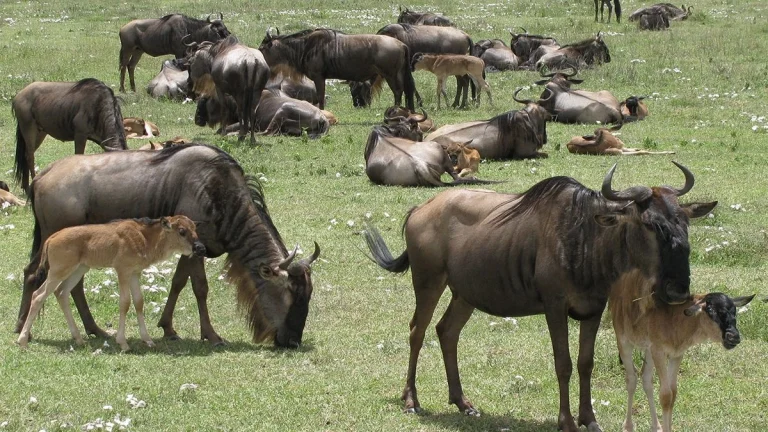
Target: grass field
(708,85)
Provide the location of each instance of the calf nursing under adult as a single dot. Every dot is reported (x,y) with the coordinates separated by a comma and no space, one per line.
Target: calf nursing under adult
(128,246)
(558,249)
(664,333)
(445,65)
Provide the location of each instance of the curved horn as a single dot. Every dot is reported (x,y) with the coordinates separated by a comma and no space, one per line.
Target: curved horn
(568,75)
(551,94)
(209,18)
(398,119)
(635,193)
(278,30)
(221,16)
(550,75)
(308,261)
(688,180)
(424,116)
(522,101)
(283,265)
(187,44)
(524,30)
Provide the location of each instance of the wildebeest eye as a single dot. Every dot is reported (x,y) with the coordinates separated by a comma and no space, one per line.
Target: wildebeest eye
(182,232)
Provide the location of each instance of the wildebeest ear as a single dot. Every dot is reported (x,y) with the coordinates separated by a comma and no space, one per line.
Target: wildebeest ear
(742,301)
(607,220)
(267,272)
(576,80)
(541,82)
(693,310)
(466,143)
(697,210)
(165,222)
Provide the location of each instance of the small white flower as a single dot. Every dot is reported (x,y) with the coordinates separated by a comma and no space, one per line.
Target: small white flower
(386,214)
(188,386)
(350,223)
(754,128)
(97,352)
(4,424)
(107,407)
(338,175)
(380,346)
(368,215)
(32,400)
(519,377)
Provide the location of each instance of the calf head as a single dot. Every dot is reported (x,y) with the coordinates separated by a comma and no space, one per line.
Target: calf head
(4,186)
(465,160)
(721,311)
(182,231)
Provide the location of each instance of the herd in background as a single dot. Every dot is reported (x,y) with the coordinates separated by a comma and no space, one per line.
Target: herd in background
(279,88)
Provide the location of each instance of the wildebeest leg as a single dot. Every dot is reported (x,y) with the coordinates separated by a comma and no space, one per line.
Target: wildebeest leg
(80,141)
(138,305)
(630,377)
(557,321)
(123,287)
(78,295)
(38,298)
(428,289)
(33,138)
(674,368)
(666,394)
(440,85)
(596,9)
(448,331)
(647,373)
(418,98)
(587,335)
(135,56)
(462,88)
(62,295)
(30,284)
(320,88)
(610,9)
(179,281)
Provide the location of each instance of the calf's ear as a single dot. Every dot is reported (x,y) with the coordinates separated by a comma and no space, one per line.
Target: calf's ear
(165,222)
(697,210)
(743,301)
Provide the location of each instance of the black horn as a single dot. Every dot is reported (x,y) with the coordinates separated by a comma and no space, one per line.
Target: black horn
(424,116)
(308,261)
(522,101)
(221,16)
(635,193)
(283,265)
(688,180)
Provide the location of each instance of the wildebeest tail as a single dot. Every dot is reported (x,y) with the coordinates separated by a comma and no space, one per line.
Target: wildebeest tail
(376,85)
(20,162)
(410,84)
(380,253)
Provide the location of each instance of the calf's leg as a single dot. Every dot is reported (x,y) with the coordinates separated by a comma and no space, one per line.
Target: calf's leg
(62,295)
(123,281)
(630,376)
(38,298)
(138,304)
(647,372)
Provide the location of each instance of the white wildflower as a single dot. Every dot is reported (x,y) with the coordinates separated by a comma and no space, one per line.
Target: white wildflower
(350,223)
(188,386)
(107,407)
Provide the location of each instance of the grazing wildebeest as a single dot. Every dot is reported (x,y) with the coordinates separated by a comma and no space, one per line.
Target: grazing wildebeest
(396,156)
(557,249)
(302,89)
(395,113)
(362,93)
(633,108)
(127,245)
(171,82)
(653,21)
(577,106)
(670,11)
(511,135)
(603,142)
(496,55)
(664,333)
(324,53)
(445,65)
(68,111)
(529,48)
(163,36)
(603,4)
(7,198)
(228,67)
(434,40)
(408,16)
(205,184)
(578,55)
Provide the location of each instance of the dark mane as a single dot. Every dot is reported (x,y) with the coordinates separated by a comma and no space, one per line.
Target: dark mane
(582,45)
(223,45)
(90,84)
(541,194)
(535,36)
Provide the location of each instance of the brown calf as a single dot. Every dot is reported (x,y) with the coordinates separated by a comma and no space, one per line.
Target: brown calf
(445,65)
(466,160)
(129,246)
(7,197)
(152,145)
(603,142)
(664,332)
(136,127)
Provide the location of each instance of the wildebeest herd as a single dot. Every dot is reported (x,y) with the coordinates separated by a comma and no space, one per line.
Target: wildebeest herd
(559,249)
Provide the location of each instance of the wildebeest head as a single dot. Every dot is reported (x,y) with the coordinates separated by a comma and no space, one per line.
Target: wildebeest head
(524,44)
(300,287)
(404,126)
(721,311)
(665,224)
(597,51)
(216,29)
(407,16)
(362,93)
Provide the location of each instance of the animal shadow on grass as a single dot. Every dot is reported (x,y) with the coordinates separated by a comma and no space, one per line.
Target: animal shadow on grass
(486,422)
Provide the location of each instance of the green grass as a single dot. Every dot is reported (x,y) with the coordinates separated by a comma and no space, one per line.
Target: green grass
(349,373)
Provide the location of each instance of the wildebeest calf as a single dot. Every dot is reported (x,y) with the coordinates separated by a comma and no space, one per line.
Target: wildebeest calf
(7,197)
(445,65)
(128,246)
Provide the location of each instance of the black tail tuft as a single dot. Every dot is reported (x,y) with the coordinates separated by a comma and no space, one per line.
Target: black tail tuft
(20,163)
(381,254)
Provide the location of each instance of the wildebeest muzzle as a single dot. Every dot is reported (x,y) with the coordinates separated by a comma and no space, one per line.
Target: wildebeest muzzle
(198,249)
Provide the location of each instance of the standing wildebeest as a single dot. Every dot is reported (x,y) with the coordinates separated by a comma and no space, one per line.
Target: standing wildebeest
(458,65)
(529,48)
(434,40)
(171,82)
(324,53)
(205,184)
(577,106)
(408,16)
(127,245)
(230,68)
(577,55)
(163,36)
(558,249)
(68,111)
(670,11)
(496,55)
(603,4)
(511,135)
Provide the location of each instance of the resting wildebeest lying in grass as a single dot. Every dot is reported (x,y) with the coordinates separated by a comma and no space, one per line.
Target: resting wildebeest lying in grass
(171,82)
(324,53)
(68,111)
(512,135)
(577,106)
(654,21)
(530,48)
(205,184)
(445,65)
(163,36)
(7,197)
(603,142)
(396,113)
(297,86)
(230,68)
(670,12)
(129,246)
(578,55)
(496,55)
(664,333)
(557,249)
(408,16)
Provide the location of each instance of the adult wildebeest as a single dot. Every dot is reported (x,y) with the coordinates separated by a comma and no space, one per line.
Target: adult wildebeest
(577,106)
(653,21)
(670,11)
(576,56)
(395,113)
(230,68)
(557,249)
(171,82)
(297,87)
(68,111)
(603,4)
(434,40)
(408,16)
(529,48)
(127,245)
(511,135)
(324,53)
(205,184)
(496,55)
(163,36)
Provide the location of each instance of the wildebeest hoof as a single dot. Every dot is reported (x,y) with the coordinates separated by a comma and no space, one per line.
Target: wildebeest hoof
(79,342)
(472,412)
(594,427)
(413,410)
